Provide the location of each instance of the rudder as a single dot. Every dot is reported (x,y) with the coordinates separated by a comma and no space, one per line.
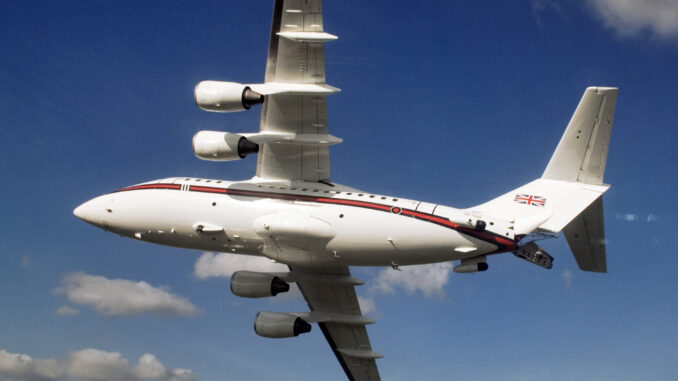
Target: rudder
(581,154)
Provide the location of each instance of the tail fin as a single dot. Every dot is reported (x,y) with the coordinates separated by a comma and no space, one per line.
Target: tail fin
(582,152)
(568,195)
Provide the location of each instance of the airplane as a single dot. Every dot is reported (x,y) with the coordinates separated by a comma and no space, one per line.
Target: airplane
(293,213)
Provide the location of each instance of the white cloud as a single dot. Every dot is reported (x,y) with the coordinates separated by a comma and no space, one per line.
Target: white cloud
(224,265)
(66,311)
(88,364)
(95,364)
(633,17)
(113,297)
(429,279)
(568,278)
(149,368)
(23,367)
(367,305)
(652,218)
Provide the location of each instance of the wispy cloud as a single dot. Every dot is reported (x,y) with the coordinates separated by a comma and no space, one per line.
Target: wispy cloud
(629,217)
(634,217)
(430,280)
(224,265)
(539,7)
(25,261)
(568,277)
(631,18)
(88,364)
(367,305)
(66,311)
(112,297)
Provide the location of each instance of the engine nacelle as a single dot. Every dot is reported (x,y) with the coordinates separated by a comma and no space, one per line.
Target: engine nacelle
(219,96)
(222,146)
(471,268)
(250,284)
(278,325)
(471,265)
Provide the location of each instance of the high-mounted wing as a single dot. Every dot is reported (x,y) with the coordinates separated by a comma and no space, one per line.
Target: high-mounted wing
(296,90)
(295,105)
(330,294)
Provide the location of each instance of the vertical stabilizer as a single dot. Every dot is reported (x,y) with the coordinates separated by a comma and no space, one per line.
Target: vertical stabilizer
(568,196)
(582,151)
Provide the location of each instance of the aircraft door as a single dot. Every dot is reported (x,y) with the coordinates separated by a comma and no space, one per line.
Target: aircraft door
(426,207)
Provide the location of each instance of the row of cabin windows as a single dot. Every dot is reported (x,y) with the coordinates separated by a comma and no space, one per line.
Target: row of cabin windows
(207,181)
(303,189)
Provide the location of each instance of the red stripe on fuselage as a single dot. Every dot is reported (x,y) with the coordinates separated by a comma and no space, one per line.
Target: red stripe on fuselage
(151,186)
(504,244)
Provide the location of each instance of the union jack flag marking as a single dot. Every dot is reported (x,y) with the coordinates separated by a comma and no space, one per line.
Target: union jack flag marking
(529,199)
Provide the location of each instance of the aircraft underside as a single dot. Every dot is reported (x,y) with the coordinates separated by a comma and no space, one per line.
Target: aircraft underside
(305,224)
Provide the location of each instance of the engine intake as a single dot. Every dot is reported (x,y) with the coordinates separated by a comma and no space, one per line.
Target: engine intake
(278,325)
(250,284)
(219,96)
(222,146)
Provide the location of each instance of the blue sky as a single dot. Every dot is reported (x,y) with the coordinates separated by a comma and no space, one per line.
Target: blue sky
(447,102)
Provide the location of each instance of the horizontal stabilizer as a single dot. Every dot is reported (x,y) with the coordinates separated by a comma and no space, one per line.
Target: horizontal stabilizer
(586,237)
(542,204)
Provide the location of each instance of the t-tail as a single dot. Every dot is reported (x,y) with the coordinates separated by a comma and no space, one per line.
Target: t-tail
(568,196)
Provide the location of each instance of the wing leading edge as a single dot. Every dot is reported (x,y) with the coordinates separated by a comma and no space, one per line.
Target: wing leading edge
(330,294)
(296,57)
(296,64)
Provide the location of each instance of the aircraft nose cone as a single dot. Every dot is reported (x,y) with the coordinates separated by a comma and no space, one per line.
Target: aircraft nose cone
(92,211)
(80,211)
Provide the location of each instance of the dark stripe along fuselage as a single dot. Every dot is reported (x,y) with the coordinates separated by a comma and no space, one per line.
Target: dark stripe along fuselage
(503,243)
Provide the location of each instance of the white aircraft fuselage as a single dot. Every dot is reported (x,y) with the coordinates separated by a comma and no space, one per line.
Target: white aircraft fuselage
(295,223)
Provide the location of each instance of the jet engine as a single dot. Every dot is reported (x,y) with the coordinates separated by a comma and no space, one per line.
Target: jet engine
(471,265)
(278,325)
(222,146)
(225,96)
(250,284)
